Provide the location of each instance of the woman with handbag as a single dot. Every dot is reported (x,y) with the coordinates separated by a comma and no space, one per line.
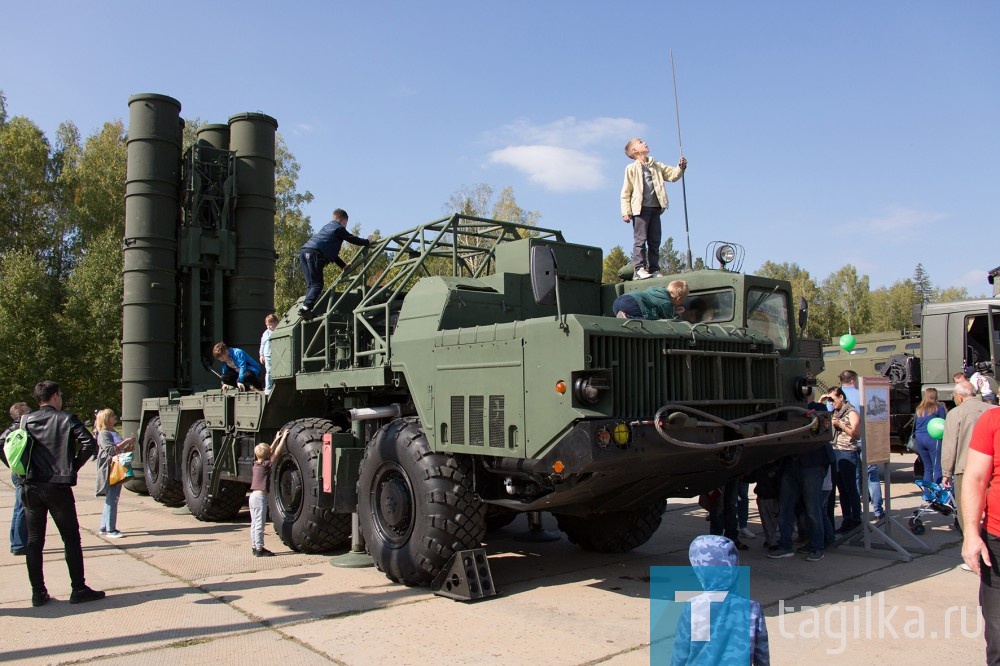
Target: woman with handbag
(110,471)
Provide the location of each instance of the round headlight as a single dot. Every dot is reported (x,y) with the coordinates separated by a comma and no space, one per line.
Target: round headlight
(725,254)
(588,390)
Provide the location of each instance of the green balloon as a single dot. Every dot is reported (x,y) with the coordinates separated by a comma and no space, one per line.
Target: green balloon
(847,342)
(935,427)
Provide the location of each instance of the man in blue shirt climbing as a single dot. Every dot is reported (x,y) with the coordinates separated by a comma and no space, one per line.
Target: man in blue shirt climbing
(324,248)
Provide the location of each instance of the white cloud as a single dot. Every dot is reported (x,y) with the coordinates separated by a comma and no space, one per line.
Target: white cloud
(571,132)
(895,220)
(557,169)
(562,156)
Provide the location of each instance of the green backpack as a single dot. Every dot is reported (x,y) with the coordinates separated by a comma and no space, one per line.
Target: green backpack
(17,449)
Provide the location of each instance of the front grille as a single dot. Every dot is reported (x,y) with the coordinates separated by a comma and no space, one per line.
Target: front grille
(476,420)
(458,420)
(496,420)
(727,378)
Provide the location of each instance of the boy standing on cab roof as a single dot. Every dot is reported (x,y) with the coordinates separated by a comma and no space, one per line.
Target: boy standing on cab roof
(643,201)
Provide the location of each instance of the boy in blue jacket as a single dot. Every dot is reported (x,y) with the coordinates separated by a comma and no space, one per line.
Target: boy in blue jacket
(239,369)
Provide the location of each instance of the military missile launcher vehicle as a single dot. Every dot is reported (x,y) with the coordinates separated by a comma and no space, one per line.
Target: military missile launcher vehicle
(457,373)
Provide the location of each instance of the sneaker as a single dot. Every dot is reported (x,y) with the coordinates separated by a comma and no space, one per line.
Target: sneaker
(642,274)
(778,552)
(114,535)
(262,552)
(84,595)
(814,556)
(746,533)
(803,550)
(40,599)
(20,552)
(306,314)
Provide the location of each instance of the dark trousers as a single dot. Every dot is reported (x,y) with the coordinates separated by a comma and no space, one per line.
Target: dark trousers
(40,500)
(312,267)
(646,233)
(845,477)
(805,484)
(989,598)
(250,378)
(722,516)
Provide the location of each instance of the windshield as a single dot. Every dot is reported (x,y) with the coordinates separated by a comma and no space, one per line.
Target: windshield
(767,314)
(709,306)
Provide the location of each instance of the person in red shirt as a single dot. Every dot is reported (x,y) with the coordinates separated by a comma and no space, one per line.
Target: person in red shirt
(981,544)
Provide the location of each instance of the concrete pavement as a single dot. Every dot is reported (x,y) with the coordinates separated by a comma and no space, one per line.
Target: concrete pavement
(185,592)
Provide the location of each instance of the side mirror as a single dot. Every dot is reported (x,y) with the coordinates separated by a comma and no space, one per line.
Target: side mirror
(803,313)
(544,274)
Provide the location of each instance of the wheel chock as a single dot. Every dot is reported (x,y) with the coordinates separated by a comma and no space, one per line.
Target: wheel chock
(465,577)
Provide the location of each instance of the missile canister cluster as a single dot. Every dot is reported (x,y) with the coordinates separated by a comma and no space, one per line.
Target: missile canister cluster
(198,248)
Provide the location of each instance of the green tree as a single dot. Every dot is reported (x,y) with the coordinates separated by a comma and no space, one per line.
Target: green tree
(803,286)
(477,201)
(671,261)
(844,303)
(25,190)
(951,294)
(29,299)
(507,209)
(92,320)
(922,283)
(892,307)
(612,263)
(291,227)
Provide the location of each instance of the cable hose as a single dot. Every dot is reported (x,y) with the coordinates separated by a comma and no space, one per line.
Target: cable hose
(731,424)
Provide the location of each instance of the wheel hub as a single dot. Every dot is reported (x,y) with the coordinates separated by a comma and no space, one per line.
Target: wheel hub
(153,461)
(393,503)
(290,488)
(195,472)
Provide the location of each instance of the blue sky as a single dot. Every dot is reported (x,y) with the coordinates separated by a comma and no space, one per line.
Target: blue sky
(817,133)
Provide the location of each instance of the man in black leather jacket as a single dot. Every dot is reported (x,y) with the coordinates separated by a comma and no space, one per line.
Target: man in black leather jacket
(62,445)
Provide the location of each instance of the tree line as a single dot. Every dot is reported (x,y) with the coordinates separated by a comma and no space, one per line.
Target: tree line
(844,301)
(62,221)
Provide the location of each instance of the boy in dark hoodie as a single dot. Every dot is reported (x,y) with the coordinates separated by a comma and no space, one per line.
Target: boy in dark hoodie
(730,640)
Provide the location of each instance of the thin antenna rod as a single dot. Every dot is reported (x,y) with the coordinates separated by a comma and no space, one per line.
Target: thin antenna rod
(680,144)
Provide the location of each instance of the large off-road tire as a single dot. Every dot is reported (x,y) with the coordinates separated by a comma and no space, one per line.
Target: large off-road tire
(160,485)
(136,486)
(416,508)
(616,532)
(295,485)
(197,460)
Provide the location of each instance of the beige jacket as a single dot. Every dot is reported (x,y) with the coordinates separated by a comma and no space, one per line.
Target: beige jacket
(957,433)
(632,189)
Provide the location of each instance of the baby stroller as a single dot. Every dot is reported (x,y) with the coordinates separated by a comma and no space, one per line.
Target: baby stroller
(937,498)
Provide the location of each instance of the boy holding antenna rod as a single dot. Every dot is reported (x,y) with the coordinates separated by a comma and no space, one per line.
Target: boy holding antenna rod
(643,201)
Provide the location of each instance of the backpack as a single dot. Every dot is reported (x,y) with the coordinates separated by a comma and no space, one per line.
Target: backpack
(17,449)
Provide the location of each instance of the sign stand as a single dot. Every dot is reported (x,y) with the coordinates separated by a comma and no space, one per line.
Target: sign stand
(873,408)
